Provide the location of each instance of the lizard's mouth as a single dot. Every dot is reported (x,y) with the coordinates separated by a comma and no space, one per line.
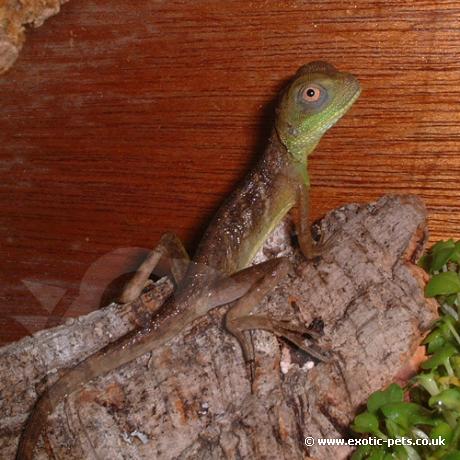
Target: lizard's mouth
(350,94)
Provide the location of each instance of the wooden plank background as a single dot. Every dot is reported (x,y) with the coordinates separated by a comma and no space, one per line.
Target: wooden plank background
(120,122)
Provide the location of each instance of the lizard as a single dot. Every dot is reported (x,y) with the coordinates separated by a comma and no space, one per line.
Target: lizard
(220,273)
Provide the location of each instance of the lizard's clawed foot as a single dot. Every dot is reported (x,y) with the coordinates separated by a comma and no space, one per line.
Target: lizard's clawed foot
(321,247)
(312,249)
(299,335)
(303,338)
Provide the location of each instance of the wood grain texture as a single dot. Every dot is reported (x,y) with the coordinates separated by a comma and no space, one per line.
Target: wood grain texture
(118,123)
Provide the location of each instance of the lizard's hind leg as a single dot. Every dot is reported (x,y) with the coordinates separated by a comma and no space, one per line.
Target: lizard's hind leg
(170,254)
(239,318)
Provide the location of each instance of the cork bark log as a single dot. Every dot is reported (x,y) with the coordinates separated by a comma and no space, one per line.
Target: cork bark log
(15,16)
(192,398)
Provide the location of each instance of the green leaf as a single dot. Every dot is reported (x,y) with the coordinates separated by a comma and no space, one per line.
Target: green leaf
(406,414)
(376,401)
(378,453)
(401,453)
(394,393)
(425,262)
(434,340)
(455,256)
(440,254)
(444,283)
(441,357)
(370,453)
(450,299)
(428,382)
(444,430)
(366,423)
(449,398)
(444,329)
(361,453)
(455,455)
(455,361)
(393,429)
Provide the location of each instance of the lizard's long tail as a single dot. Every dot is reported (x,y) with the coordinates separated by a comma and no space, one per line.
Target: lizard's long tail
(168,322)
(115,354)
(88,369)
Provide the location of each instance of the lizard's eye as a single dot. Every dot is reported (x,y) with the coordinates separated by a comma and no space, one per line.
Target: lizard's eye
(311,93)
(312,97)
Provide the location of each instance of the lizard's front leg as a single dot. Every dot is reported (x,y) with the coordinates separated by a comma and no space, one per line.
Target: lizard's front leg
(310,249)
(169,253)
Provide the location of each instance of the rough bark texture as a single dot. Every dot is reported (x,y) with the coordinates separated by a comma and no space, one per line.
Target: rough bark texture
(192,399)
(15,15)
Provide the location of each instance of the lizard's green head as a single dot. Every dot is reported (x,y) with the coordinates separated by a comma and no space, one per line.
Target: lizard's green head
(314,101)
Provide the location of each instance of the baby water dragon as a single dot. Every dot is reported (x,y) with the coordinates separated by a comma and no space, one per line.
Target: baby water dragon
(316,98)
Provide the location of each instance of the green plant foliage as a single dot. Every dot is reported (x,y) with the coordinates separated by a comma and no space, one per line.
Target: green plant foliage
(444,283)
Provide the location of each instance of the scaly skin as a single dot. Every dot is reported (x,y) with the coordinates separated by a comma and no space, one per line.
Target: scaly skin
(316,99)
